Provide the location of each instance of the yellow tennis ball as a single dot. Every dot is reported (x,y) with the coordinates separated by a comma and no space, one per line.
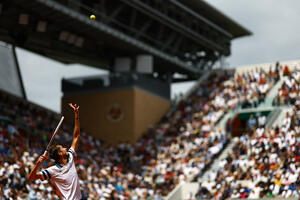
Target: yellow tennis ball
(92,17)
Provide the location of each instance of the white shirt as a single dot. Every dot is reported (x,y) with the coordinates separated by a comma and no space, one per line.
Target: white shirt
(206,128)
(65,178)
(287,122)
(263,88)
(289,82)
(219,101)
(260,131)
(262,120)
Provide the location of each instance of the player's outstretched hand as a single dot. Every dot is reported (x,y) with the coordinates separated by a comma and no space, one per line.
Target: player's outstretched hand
(75,107)
(42,158)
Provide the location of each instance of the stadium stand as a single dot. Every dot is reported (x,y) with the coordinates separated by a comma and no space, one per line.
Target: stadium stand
(255,85)
(125,170)
(264,163)
(177,150)
(289,90)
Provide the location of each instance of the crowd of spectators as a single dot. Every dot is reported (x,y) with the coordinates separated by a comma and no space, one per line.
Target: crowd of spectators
(289,92)
(263,164)
(176,150)
(258,121)
(252,87)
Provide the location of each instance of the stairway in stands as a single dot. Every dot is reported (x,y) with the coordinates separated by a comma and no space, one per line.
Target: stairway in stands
(273,93)
(216,164)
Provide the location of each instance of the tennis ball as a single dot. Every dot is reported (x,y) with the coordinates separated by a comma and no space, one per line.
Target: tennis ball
(92,17)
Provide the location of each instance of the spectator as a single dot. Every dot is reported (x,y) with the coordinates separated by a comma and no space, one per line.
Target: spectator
(251,122)
(262,120)
(286,71)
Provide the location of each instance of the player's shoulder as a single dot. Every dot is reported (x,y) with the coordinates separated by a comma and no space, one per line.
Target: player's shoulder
(71,150)
(54,168)
(49,172)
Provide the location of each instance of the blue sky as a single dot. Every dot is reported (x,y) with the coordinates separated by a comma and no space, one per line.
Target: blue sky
(274,24)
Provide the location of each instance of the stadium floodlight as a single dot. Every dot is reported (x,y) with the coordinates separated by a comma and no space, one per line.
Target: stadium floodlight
(64,35)
(41,26)
(23,19)
(79,42)
(72,39)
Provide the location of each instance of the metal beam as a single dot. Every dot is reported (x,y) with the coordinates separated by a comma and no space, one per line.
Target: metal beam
(173,24)
(177,44)
(169,41)
(144,28)
(117,34)
(115,13)
(133,18)
(199,17)
(160,31)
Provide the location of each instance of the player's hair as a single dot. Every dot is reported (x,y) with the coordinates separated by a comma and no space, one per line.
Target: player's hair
(53,152)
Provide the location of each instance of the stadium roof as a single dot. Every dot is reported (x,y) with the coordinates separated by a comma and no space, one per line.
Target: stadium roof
(187,42)
(211,13)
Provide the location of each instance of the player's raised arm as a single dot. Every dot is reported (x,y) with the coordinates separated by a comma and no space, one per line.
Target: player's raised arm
(76,132)
(33,175)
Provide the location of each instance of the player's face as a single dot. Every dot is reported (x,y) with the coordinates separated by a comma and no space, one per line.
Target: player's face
(63,150)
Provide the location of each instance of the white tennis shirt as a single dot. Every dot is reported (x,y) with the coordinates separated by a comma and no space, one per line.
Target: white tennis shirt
(65,178)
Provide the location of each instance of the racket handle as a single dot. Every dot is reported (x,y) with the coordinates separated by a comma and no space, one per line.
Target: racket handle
(45,153)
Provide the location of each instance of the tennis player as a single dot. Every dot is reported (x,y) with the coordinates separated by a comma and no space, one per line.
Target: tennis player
(63,174)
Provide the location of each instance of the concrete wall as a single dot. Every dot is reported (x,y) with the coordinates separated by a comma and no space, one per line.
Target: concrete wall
(118,115)
(148,110)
